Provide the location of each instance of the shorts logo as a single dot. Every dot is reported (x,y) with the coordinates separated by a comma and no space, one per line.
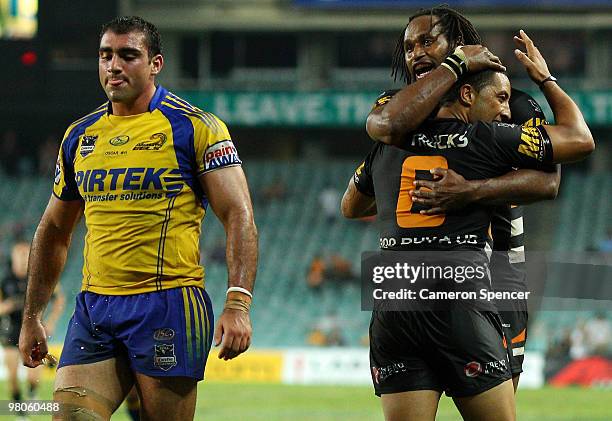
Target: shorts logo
(383,373)
(475,369)
(119,140)
(164,356)
(58,172)
(88,143)
(221,154)
(472,369)
(164,334)
(155,142)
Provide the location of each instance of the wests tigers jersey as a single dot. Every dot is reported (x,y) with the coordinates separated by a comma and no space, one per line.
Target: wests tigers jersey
(476,151)
(138,178)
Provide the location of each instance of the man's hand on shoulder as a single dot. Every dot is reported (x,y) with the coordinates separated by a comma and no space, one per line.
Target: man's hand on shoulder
(448,192)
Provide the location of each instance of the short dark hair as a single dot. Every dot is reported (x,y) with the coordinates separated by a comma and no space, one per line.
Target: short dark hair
(477,80)
(126,24)
(457,28)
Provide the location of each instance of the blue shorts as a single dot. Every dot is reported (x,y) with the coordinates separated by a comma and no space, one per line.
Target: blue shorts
(163,333)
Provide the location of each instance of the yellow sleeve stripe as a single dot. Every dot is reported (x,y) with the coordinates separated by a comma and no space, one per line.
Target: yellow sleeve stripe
(535,121)
(530,142)
(96,111)
(207,118)
(182,102)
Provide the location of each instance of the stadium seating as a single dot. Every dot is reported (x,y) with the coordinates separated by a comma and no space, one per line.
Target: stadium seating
(293,230)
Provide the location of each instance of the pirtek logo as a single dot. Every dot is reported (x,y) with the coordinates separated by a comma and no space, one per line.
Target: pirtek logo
(129,179)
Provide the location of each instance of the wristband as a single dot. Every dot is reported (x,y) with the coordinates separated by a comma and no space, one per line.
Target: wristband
(456,62)
(550,78)
(239,289)
(239,305)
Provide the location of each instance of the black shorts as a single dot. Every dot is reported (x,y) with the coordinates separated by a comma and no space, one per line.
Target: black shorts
(515,329)
(462,352)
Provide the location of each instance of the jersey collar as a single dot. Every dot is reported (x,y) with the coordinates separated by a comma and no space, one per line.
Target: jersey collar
(160,94)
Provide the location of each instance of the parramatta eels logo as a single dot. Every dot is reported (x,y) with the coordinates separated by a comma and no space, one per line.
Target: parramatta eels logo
(164,356)
(88,143)
(119,140)
(130,179)
(155,142)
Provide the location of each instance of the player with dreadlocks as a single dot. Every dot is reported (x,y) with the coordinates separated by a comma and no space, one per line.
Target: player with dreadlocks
(435,48)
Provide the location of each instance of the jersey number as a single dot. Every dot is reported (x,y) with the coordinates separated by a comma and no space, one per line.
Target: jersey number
(407,213)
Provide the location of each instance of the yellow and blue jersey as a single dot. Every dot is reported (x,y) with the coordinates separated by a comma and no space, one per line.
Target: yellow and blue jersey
(138,178)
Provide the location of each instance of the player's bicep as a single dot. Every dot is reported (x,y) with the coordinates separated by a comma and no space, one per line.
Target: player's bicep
(565,145)
(356,204)
(63,215)
(377,126)
(227,192)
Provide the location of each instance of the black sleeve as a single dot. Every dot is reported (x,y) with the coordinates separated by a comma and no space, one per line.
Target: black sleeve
(363,174)
(384,97)
(525,110)
(514,145)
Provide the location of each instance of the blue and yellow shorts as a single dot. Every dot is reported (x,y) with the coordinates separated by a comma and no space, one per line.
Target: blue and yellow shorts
(163,333)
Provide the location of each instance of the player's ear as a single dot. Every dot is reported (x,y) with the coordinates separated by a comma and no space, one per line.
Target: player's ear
(157,63)
(467,95)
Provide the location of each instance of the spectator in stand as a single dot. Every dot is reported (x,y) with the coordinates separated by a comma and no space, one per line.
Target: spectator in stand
(329,200)
(47,155)
(598,334)
(9,153)
(327,332)
(316,272)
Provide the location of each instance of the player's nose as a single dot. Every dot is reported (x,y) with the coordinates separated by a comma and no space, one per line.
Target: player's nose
(505,113)
(114,65)
(505,116)
(418,52)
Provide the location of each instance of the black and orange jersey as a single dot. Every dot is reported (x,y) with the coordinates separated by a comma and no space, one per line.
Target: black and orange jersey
(476,151)
(507,220)
(138,178)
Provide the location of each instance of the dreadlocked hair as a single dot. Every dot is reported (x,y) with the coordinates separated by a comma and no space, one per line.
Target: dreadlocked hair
(457,28)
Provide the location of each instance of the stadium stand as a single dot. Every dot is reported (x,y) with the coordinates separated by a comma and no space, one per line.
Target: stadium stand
(292,231)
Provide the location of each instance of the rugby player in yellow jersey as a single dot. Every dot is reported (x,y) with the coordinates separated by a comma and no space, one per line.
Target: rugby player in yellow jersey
(142,168)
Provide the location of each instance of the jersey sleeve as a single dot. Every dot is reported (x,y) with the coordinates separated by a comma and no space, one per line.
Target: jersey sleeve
(64,184)
(363,175)
(384,98)
(515,145)
(213,145)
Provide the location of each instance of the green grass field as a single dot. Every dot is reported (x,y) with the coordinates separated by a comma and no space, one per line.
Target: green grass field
(237,402)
